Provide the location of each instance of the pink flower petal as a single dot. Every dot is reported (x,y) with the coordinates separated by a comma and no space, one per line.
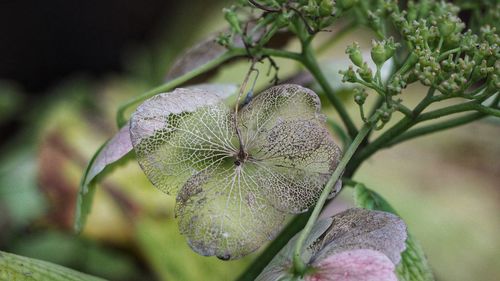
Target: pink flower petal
(354,265)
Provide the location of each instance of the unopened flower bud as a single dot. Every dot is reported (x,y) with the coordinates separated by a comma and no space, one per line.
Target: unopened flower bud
(233,20)
(365,73)
(326,8)
(355,54)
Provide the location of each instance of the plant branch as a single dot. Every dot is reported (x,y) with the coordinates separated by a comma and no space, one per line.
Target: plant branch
(282,54)
(432,128)
(311,64)
(468,106)
(298,264)
(294,226)
(390,136)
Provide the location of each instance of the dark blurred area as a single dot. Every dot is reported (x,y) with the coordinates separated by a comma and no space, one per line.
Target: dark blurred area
(64,66)
(46,41)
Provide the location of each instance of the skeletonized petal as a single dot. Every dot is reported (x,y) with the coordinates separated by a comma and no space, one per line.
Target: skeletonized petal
(223,213)
(178,134)
(285,137)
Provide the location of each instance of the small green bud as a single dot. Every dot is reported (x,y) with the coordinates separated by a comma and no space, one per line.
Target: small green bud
(355,54)
(360,96)
(378,53)
(385,116)
(311,8)
(397,85)
(326,8)
(349,75)
(494,81)
(382,51)
(446,28)
(233,20)
(366,73)
(223,39)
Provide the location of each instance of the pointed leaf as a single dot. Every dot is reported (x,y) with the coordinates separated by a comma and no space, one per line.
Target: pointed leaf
(14,267)
(106,157)
(114,150)
(195,57)
(414,265)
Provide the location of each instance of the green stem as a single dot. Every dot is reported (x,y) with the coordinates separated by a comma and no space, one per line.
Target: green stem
(298,264)
(282,54)
(311,64)
(447,53)
(120,115)
(468,106)
(409,62)
(448,124)
(400,127)
(407,122)
(275,246)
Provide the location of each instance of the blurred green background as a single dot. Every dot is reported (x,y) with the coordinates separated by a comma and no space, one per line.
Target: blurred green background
(446,186)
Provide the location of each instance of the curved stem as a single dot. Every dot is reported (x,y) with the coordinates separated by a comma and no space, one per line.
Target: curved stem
(282,54)
(311,64)
(298,264)
(468,106)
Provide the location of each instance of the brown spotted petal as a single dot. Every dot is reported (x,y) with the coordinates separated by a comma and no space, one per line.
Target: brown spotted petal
(223,213)
(284,134)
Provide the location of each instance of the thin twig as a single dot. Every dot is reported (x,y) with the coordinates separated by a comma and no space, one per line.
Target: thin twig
(242,153)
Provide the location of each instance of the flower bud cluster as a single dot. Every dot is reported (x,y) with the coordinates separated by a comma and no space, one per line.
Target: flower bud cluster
(447,58)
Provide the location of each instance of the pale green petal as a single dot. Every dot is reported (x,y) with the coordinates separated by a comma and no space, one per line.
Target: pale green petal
(223,213)
(285,137)
(274,105)
(176,135)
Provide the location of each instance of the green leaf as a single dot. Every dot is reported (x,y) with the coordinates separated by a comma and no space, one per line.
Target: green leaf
(14,267)
(105,158)
(414,265)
